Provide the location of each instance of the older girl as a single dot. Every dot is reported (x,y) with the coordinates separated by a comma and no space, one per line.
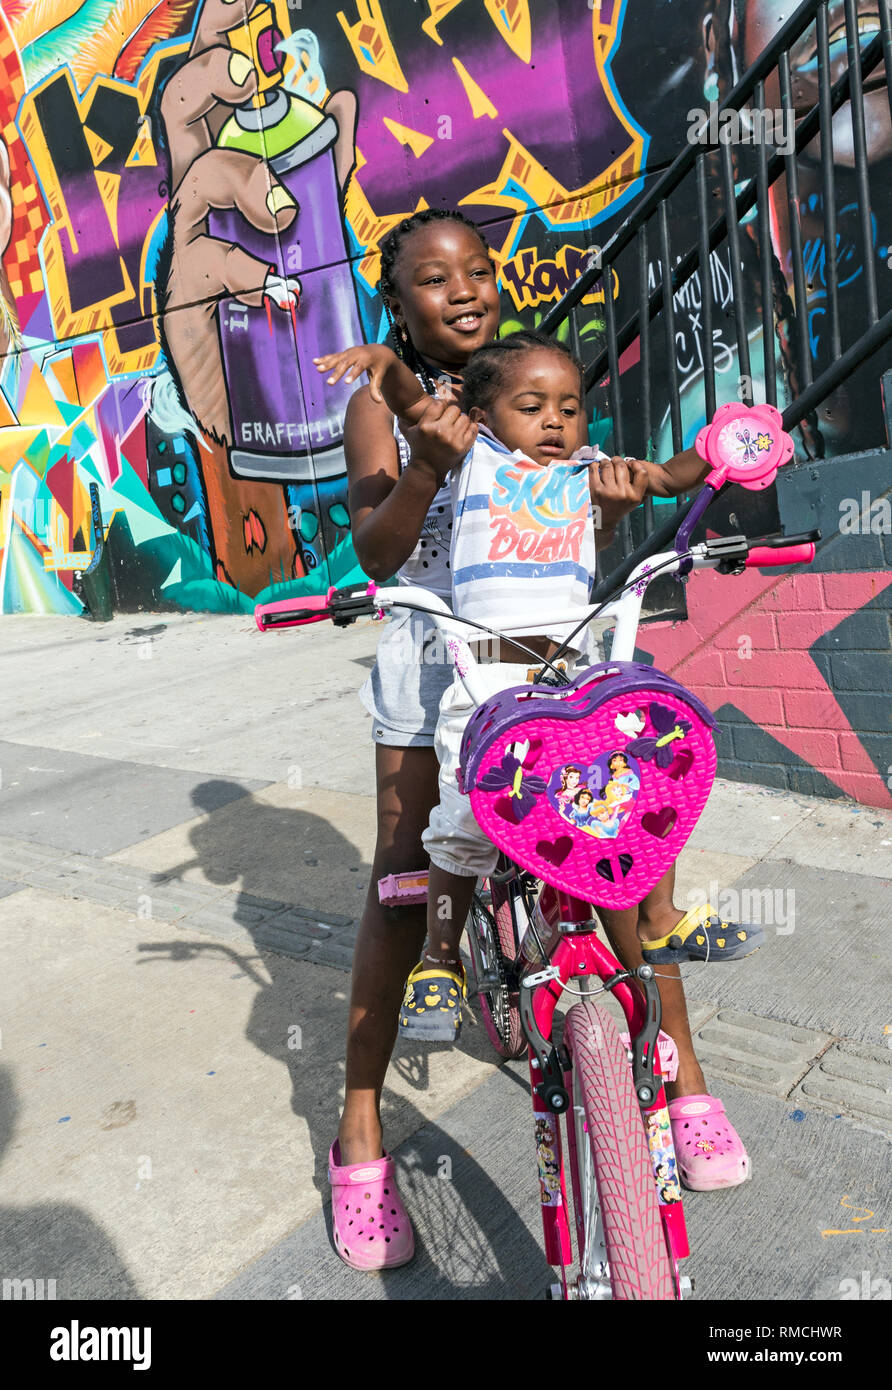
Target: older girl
(438,285)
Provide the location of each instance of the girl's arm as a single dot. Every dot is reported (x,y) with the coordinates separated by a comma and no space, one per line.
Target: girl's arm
(681,474)
(388,508)
(390,380)
(617,486)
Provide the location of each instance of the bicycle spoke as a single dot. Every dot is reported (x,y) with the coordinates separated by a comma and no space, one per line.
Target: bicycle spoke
(593,1253)
(491,961)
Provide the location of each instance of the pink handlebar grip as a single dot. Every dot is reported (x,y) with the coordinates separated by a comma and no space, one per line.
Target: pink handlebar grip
(763,557)
(318,603)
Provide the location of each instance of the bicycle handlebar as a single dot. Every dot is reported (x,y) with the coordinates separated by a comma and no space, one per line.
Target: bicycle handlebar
(283,613)
(771,557)
(315,608)
(728,554)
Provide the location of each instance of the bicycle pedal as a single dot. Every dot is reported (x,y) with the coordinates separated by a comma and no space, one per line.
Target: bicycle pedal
(403,890)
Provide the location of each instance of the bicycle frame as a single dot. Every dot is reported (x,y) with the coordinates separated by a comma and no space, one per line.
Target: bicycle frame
(571,949)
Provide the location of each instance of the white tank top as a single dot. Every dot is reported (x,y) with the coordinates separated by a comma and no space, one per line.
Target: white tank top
(428,565)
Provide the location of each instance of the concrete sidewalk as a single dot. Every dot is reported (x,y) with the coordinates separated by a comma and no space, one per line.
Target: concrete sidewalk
(186,828)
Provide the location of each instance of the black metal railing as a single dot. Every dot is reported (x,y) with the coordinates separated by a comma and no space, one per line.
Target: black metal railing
(734,179)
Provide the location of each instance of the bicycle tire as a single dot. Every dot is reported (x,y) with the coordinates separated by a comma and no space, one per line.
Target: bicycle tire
(492,945)
(639,1266)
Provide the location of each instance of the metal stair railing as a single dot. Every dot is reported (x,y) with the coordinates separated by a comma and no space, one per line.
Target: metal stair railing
(772,68)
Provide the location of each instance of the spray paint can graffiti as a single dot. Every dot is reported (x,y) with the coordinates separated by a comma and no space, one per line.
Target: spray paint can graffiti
(288,426)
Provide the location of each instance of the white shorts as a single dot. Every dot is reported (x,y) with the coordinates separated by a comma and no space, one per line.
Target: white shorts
(453,839)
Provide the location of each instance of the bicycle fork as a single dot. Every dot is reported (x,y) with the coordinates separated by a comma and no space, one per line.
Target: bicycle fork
(551,1085)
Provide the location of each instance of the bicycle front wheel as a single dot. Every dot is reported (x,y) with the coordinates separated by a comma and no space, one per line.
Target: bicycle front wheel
(622,1246)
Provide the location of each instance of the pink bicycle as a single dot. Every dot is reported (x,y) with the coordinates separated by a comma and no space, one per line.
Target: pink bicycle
(640,748)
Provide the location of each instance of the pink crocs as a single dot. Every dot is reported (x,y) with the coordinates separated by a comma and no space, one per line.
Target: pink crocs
(371,1227)
(708,1149)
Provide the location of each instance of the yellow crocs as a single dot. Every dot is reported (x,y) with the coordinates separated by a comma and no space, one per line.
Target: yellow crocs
(432,1004)
(702,935)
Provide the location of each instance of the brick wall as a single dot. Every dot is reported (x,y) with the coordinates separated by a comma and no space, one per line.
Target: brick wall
(797,665)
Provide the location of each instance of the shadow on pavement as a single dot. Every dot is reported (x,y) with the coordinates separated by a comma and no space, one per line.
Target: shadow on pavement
(469,1237)
(54,1241)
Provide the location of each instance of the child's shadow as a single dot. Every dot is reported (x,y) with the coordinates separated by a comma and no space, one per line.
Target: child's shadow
(258,850)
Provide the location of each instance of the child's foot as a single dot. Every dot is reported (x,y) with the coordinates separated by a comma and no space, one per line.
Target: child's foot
(701,935)
(370,1225)
(708,1150)
(360,1143)
(432,1004)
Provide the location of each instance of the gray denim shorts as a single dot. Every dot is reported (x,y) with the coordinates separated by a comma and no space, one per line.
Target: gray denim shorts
(406,684)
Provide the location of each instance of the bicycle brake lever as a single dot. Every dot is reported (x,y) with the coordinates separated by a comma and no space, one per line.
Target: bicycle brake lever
(732,551)
(346,605)
(644,1044)
(550,1089)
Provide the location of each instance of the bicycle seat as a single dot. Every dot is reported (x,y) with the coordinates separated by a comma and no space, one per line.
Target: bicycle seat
(595,786)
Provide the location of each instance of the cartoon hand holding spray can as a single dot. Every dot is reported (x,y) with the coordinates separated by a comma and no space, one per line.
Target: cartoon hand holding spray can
(287,426)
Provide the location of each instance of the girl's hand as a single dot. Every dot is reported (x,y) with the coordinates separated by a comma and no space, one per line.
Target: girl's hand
(374,358)
(617,486)
(441,439)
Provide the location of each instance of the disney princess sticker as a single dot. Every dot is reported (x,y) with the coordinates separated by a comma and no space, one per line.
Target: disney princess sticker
(662,1151)
(596,797)
(548,1162)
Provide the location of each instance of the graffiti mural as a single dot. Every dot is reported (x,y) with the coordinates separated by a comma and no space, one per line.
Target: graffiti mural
(192,198)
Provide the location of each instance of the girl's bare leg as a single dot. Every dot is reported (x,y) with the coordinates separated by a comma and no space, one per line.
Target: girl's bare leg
(655,917)
(388,944)
(448,904)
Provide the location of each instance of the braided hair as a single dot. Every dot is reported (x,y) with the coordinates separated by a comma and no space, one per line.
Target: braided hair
(485,373)
(726,19)
(390,249)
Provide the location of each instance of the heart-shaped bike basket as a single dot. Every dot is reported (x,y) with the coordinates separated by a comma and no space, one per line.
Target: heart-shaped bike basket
(596,786)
